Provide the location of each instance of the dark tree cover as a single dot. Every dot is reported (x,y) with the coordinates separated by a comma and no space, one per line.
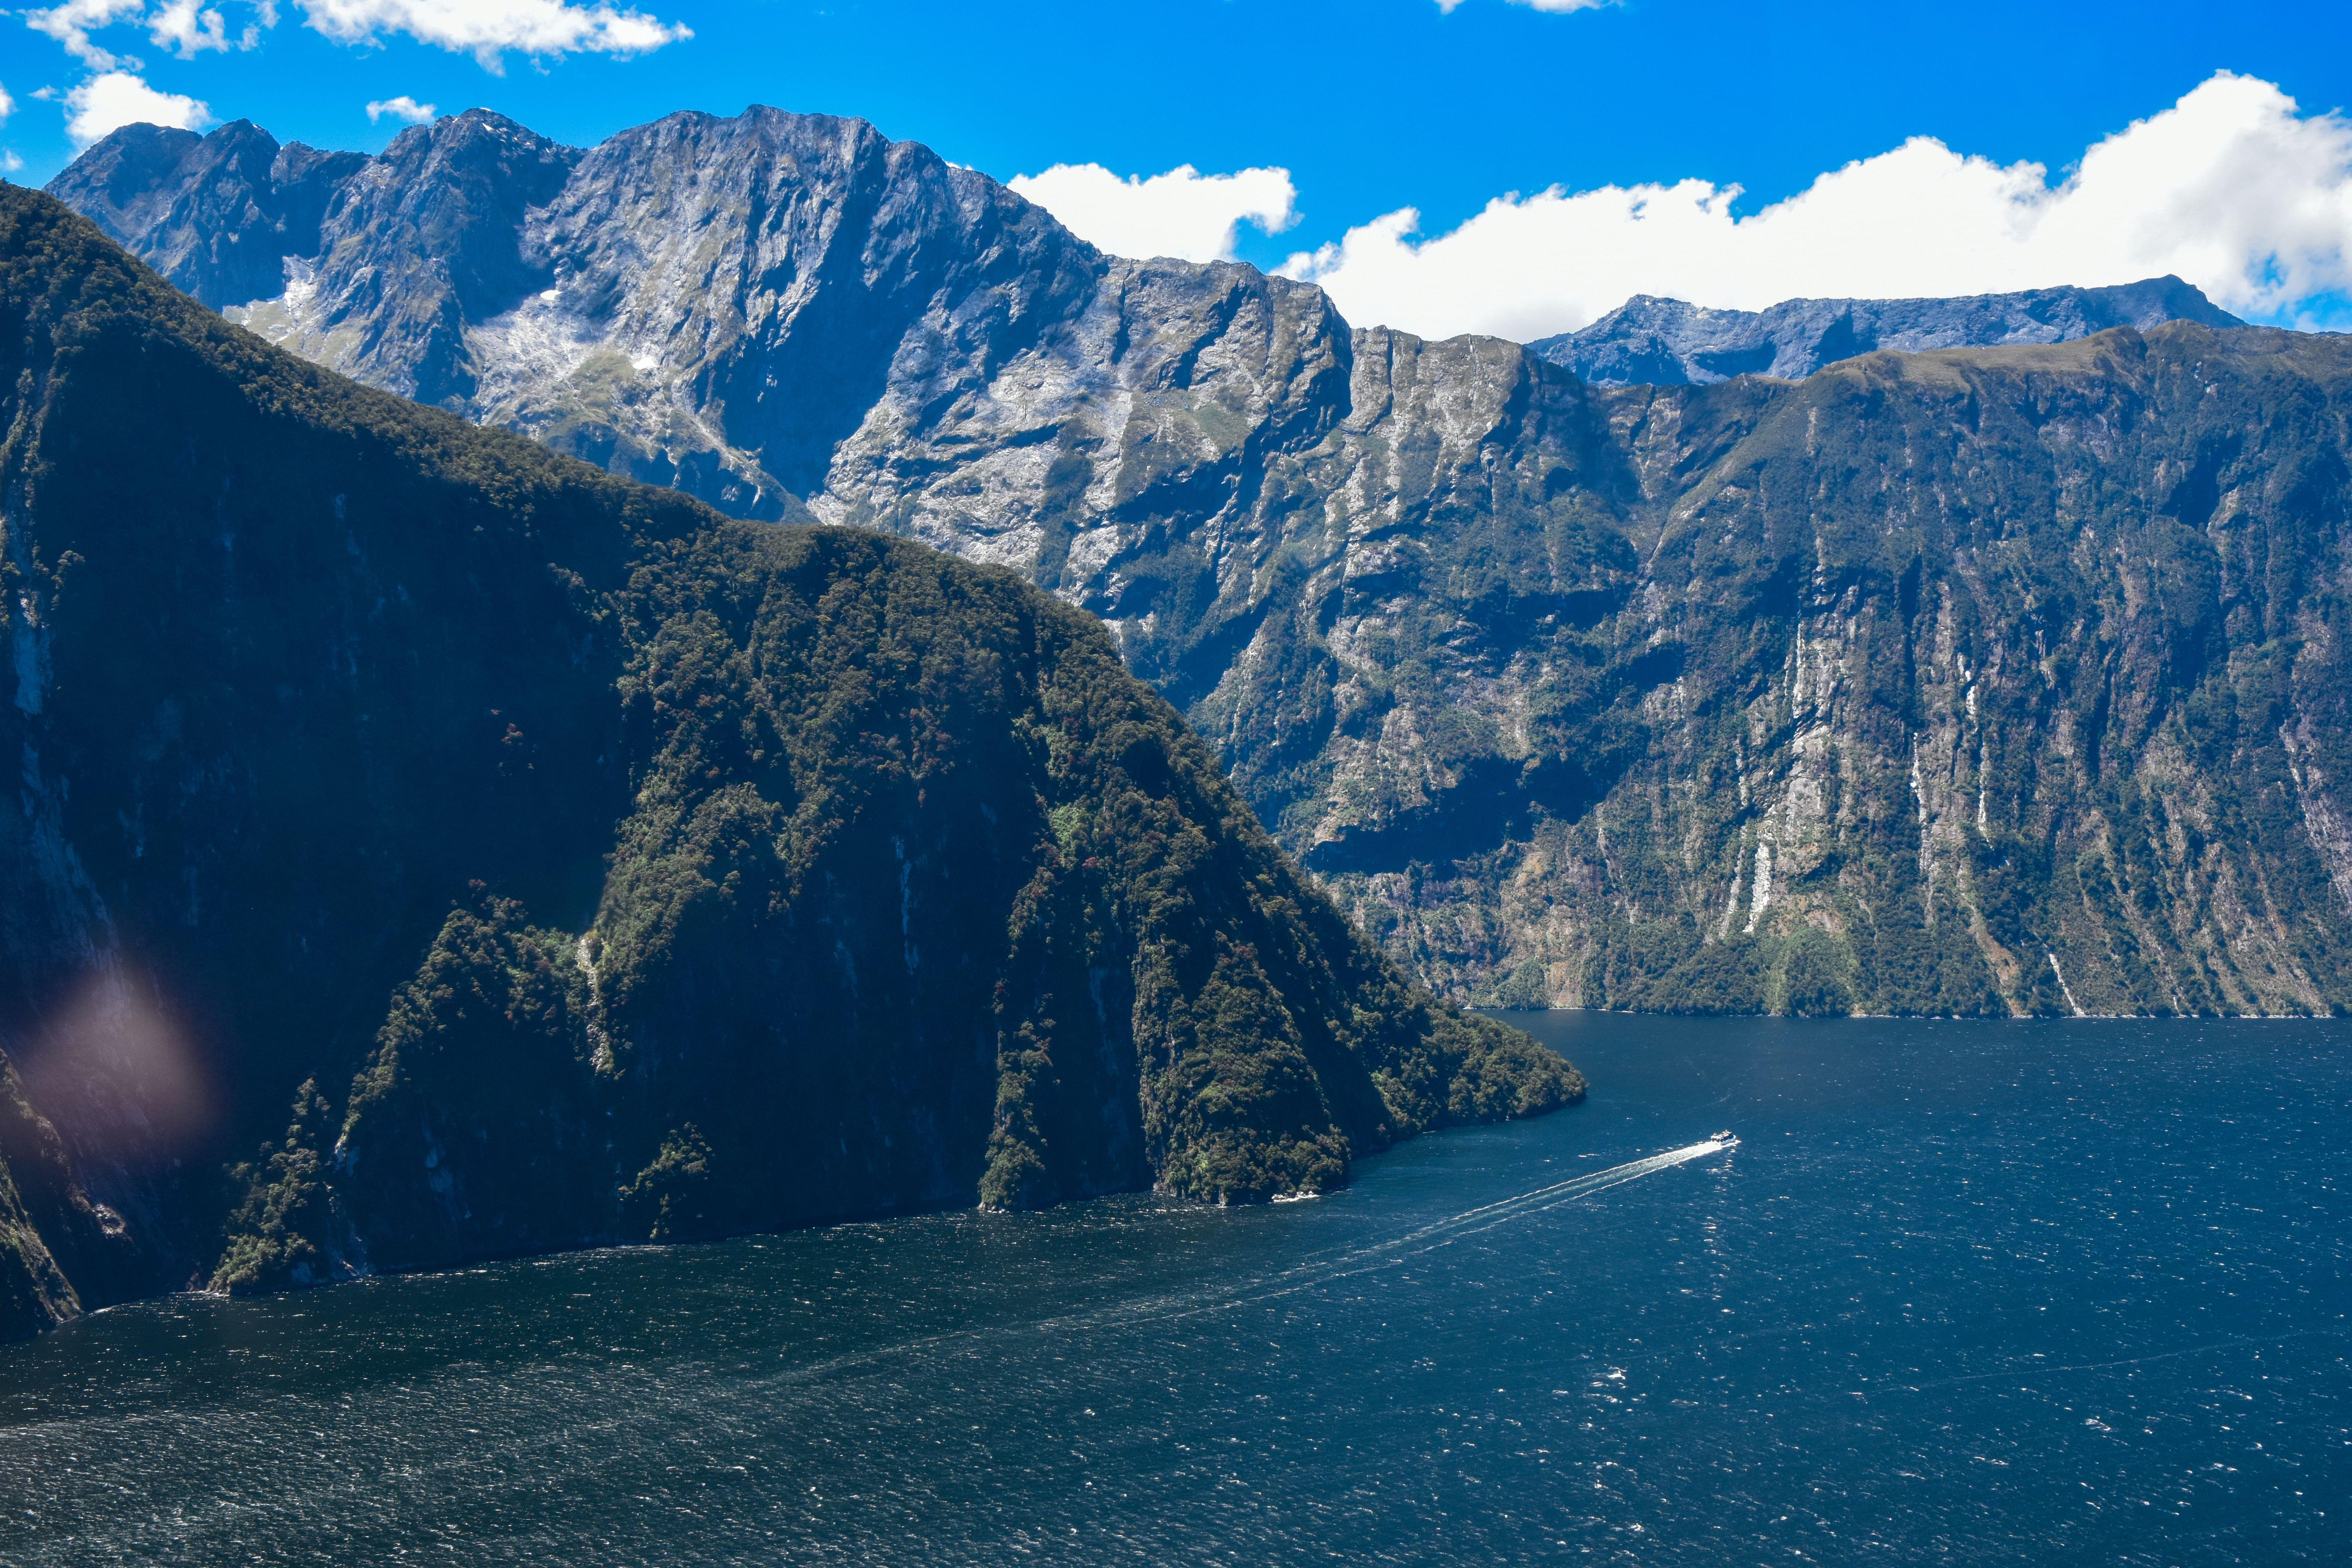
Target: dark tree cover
(583,865)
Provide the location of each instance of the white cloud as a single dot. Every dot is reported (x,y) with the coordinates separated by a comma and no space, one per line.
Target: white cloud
(7,106)
(72,23)
(9,162)
(187,27)
(2230,188)
(116,99)
(487,29)
(1182,213)
(401,107)
(178,24)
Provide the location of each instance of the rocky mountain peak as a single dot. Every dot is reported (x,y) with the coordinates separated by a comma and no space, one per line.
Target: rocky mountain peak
(712,303)
(218,214)
(428,237)
(504,166)
(772,265)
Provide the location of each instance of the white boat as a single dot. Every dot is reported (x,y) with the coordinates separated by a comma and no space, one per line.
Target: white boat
(1727,1138)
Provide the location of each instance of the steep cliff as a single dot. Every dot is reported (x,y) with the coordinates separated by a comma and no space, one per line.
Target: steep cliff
(581,865)
(1654,341)
(1990,680)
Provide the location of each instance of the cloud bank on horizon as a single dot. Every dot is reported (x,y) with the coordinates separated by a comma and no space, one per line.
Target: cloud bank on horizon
(2231,188)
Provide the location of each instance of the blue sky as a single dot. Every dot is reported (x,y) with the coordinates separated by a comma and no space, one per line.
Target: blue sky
(1370,105)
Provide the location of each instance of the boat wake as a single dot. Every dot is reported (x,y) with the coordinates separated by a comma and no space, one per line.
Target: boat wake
(1312,1273)
(1316,1272)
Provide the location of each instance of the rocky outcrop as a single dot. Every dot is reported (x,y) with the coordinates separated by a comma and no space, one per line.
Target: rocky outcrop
(581,865)
(218,215)
(1651,341)
(1951,682)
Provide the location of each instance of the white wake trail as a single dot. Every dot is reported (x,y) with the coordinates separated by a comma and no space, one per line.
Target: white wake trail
(1302,1276)
(1398,1249)
(1569,1191)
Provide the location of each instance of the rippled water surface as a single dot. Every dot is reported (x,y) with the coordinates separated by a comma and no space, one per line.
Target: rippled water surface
(1965,1292)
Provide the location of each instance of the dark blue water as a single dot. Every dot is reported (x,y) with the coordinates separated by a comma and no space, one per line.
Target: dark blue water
(1965,1292)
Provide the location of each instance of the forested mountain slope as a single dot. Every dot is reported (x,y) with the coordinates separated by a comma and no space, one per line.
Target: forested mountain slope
(578,864)
(1990,680)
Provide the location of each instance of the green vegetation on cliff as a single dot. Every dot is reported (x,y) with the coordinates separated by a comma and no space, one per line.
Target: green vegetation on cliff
(719,876)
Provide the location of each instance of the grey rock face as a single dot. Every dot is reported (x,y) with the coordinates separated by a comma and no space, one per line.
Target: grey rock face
(1663,343)
(727,299)
(411,249)
(1920,686)
(217,215)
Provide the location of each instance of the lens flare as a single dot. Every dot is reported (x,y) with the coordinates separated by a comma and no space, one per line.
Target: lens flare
(117,1073)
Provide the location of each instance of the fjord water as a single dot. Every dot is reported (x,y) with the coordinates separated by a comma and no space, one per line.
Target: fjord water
(1964,1291)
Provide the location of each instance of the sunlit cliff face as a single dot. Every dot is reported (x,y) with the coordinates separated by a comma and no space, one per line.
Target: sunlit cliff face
(119,1072)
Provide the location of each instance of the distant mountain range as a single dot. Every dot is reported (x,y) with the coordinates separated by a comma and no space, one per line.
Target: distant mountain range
(1999,679)
(1665,342)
